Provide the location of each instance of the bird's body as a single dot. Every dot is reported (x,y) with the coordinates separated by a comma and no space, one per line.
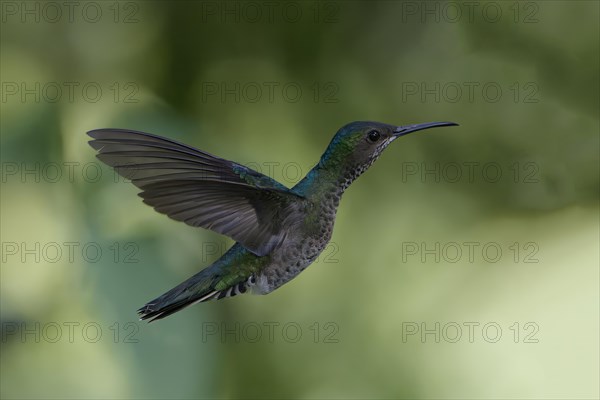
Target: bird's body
(279,231)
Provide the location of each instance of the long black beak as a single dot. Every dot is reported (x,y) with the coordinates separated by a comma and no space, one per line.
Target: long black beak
(405,130)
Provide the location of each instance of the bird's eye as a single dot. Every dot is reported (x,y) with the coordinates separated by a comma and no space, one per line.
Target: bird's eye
(373,136)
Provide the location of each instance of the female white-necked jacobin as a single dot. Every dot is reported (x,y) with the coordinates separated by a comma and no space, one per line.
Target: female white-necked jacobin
(279,231)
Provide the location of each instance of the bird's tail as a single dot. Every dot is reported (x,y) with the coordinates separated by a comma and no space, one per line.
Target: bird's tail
(198,288)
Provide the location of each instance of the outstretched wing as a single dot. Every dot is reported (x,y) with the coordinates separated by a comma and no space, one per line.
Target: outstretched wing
(200,189)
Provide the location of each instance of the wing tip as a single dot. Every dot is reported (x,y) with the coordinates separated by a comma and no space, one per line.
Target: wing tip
(99,132)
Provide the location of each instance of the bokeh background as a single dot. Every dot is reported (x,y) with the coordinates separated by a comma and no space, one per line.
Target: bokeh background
(397,306)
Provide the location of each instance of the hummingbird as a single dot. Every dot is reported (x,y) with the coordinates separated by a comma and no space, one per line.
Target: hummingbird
(279,231)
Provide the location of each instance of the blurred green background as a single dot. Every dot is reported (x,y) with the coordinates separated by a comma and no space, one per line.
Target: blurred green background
(268,84)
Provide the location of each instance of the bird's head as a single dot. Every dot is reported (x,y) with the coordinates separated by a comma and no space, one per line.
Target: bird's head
(358,144)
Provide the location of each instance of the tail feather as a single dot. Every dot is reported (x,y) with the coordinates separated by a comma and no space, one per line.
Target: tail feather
(160,308)
(197,289)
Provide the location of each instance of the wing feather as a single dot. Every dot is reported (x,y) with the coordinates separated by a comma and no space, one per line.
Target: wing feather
(202,190)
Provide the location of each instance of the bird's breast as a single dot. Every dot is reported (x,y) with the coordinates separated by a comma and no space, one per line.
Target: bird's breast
(301,247)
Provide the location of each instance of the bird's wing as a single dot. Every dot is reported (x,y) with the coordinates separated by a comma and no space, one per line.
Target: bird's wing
(200,189)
